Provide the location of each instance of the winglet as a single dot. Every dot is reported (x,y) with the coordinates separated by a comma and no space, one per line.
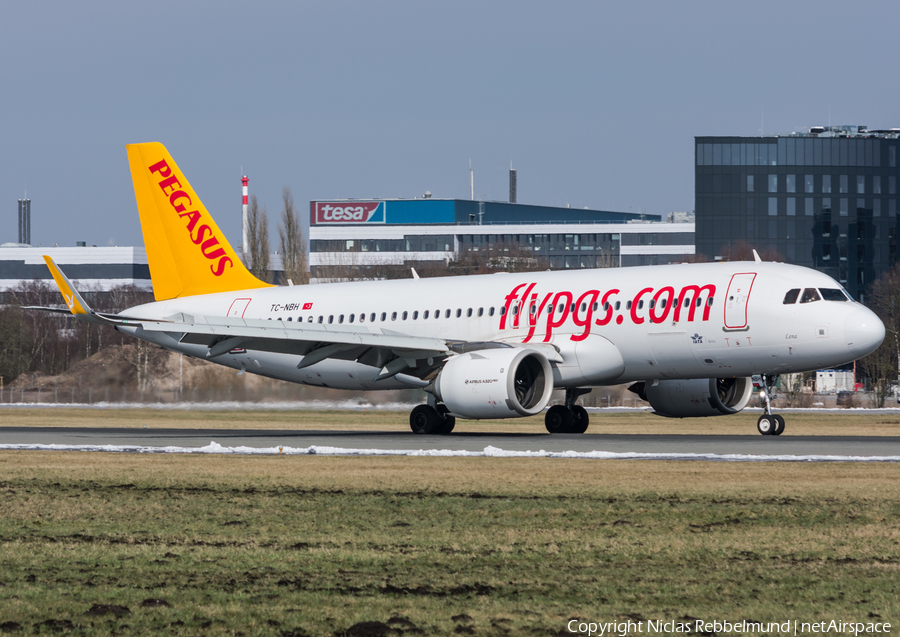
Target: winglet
(756,256)
(75,303)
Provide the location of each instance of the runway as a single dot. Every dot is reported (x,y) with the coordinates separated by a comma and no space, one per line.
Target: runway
(702,447)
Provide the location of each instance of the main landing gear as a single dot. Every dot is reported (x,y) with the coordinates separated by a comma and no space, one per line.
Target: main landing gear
(569,418)
(769,424)
(431,419)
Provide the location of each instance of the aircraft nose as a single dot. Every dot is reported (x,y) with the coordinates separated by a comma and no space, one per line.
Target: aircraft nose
(863,331)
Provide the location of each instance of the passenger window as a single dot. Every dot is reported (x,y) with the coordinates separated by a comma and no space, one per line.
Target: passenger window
(561,308)
(331,319)
(372,317)
(515,310)
(810,295)
(605,307)
(583,307)
(597,305)
(321,319)
(491,312)
(415,314)
(341,318)
(481,311)
(362,318)
(310,320)
(393,316)
(425,315)
(619,304)
(641,304)
(652,303)
(503,311)
(709,301)
(458,312)
(290,318)
(383,316)
(627,305)
(437,314)
(532,309)
(447,314)
(832,294)
(791,296)
(469,313)
(404,316)
(352,317)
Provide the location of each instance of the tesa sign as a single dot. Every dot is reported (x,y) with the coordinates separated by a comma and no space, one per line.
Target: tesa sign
(348,212)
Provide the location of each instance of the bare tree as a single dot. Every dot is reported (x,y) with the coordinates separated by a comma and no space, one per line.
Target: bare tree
(882,365)
(258,239)
(15,343)
(292,245)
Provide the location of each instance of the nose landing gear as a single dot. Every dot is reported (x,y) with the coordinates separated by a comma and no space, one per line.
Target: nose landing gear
(569,418)
(769,424)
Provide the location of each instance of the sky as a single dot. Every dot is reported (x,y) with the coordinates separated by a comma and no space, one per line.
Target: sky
(595,104)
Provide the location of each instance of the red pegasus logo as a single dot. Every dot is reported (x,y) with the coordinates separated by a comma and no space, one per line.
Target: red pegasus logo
(180,202)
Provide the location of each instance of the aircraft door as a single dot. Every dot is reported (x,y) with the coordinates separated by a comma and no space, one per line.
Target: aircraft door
(736,300)
(238,308)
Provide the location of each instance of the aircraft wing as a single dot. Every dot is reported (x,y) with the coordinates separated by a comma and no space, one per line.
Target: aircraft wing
(395,354)
(411,359)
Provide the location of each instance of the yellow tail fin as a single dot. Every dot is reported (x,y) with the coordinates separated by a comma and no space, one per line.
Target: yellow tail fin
(187,252)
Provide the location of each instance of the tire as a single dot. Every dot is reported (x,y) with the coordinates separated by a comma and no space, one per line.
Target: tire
(447,425)
(580,420)
(779,425)
(558,420)
(424,420)
(765,425)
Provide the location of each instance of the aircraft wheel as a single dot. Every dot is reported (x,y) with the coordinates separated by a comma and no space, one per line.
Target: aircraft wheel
(580,420)
(424,419)
(447,425)
(779,425)
(765,425)
(558,419)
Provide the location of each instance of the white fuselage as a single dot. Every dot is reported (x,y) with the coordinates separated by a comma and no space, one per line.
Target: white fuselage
(609,326)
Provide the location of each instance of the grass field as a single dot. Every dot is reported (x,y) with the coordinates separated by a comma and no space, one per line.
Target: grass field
(808,423)
(115,544)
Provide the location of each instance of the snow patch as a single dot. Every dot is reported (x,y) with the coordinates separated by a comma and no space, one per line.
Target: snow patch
(488,452)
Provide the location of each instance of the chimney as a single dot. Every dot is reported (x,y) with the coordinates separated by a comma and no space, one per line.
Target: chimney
(25,221)
(245,249)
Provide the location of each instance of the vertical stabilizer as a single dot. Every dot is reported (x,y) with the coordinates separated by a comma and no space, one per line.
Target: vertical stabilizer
(187,252)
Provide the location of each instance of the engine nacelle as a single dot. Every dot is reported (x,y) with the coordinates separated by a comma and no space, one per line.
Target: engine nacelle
(508,382)
(695,398)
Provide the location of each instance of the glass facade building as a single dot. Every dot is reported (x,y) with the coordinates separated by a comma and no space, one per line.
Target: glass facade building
(825,199)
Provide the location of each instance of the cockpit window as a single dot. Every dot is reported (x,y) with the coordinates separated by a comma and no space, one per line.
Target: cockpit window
(791,296)
(810,295)
(833,294)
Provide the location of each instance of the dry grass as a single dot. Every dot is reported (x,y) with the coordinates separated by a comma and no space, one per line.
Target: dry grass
(314,545)
(798,423)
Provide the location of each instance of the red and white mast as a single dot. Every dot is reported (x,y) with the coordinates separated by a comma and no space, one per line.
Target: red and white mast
(245,249)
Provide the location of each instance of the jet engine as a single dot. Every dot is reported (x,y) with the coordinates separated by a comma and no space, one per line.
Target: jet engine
(698,397)
(507,382)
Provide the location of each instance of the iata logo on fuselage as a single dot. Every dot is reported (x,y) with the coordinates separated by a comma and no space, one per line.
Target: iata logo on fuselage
(348,212)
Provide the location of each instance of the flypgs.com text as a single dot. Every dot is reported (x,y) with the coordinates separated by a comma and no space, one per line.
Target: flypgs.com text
(549,311)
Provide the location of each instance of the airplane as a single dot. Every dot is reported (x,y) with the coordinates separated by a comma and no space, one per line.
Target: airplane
(689,337)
